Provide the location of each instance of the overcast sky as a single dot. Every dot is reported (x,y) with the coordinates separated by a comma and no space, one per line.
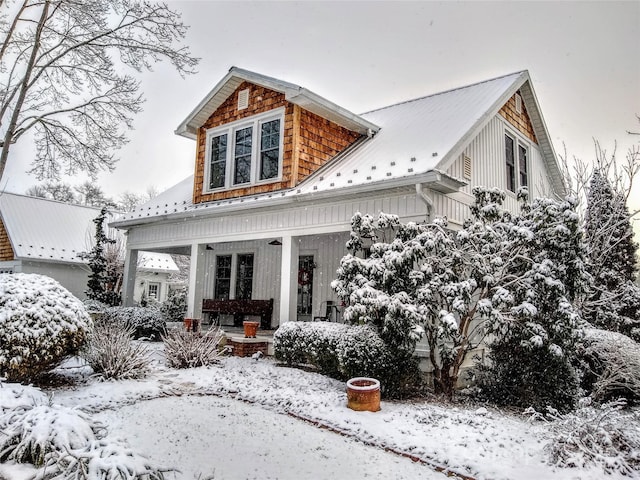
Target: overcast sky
(583,57)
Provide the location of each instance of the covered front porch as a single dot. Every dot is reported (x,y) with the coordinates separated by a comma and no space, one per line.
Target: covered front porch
(293,271)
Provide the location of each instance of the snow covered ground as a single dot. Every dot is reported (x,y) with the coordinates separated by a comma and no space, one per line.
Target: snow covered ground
(246,419)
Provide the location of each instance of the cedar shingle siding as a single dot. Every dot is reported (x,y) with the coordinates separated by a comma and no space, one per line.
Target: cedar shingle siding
(309,141)
(520,121)
(6,251)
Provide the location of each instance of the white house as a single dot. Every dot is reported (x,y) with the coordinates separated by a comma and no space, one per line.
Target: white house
(279,171)
(43,236)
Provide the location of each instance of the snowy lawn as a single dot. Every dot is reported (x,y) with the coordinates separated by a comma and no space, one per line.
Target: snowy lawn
(247,419)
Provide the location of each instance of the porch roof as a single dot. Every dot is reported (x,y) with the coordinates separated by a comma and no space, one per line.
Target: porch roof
(417,142)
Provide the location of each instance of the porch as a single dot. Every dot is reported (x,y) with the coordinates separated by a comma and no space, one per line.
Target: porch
(238,280)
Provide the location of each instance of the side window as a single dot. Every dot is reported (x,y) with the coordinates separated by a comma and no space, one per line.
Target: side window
(509,153)
(218,161)
(269,149)
(153,290)
(222,287)
(523,171)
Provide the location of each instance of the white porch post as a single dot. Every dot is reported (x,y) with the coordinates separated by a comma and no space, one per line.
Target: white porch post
(129,277)
(196,281)
(289,278)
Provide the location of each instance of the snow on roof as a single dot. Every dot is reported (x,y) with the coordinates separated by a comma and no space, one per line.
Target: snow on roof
(47,230)
(156,262)
(293,93)
(417,141)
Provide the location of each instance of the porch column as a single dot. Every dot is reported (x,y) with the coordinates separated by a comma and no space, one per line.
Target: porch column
(196,281)
(289,279)
(129,277)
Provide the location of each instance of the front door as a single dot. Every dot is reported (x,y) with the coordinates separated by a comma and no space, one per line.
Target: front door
(305,287)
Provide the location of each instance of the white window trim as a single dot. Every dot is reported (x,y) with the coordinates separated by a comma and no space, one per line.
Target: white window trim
(234,270)
(518,141)
(230,128)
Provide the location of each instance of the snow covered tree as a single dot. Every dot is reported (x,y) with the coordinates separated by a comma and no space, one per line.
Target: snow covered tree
(59,191)
(495,276)
(103,280)
(533,338)
(61,76)
(613,301)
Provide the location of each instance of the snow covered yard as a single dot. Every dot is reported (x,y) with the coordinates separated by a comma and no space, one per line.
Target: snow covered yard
(243,419)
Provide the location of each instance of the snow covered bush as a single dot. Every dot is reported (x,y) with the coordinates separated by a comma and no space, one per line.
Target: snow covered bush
(16,396)
(145,322)
(184,349)
(102,459)
(511,277)
(604,435)
(532,350)
(112,354)
(338,350)
(611,365)
(66,443)
(313,343)
(30,435)
(174,308)
(41,323)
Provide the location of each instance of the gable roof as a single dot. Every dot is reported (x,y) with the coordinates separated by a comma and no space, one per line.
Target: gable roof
(293,93)
(417,142)
(40,229)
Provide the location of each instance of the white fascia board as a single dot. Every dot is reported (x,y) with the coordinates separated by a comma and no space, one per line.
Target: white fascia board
(431,178)
(482,121)
(331,111)
(293,93)
(544,139)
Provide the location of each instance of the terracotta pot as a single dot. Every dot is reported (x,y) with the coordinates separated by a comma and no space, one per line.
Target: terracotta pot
(187,324)
(250,329)
(363,394)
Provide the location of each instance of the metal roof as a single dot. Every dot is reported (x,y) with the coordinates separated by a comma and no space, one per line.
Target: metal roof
(293,93)
(46,230)
(417,142)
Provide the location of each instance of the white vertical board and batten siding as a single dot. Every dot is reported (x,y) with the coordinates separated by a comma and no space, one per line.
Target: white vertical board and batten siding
(487,153)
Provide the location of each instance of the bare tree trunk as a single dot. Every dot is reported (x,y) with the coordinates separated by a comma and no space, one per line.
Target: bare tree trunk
(9,134)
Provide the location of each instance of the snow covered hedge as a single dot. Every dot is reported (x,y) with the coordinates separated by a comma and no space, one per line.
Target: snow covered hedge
(338,350)
(41,323)
(611,365)
(145,322)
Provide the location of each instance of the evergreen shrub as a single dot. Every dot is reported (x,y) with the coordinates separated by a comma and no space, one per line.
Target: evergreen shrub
(338,350)
(147,323)
(41,323)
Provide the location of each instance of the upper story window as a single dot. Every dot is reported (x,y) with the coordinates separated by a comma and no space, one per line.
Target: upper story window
(245,152)
(516,154)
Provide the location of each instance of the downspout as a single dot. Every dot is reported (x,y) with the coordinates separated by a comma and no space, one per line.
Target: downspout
(428,201)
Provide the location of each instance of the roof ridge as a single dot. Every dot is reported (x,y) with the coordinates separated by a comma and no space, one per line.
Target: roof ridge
(444,91)
(60,202)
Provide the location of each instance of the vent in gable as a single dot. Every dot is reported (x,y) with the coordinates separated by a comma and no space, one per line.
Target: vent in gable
(466,167)
(243,99)
(518,103)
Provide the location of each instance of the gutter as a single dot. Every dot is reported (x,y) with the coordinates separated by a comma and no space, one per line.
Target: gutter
(290,197)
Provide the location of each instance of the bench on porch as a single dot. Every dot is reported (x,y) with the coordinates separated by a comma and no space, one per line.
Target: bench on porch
(240,308)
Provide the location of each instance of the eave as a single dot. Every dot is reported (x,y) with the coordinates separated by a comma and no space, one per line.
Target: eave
(293,93)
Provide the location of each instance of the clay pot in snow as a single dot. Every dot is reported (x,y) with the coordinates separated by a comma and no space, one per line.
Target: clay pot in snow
(363,394)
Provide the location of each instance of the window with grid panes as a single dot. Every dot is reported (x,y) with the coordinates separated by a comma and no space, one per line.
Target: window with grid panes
(222,287)
(244,276)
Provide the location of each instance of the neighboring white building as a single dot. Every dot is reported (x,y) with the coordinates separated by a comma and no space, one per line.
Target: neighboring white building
(279,172)
(43,236)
